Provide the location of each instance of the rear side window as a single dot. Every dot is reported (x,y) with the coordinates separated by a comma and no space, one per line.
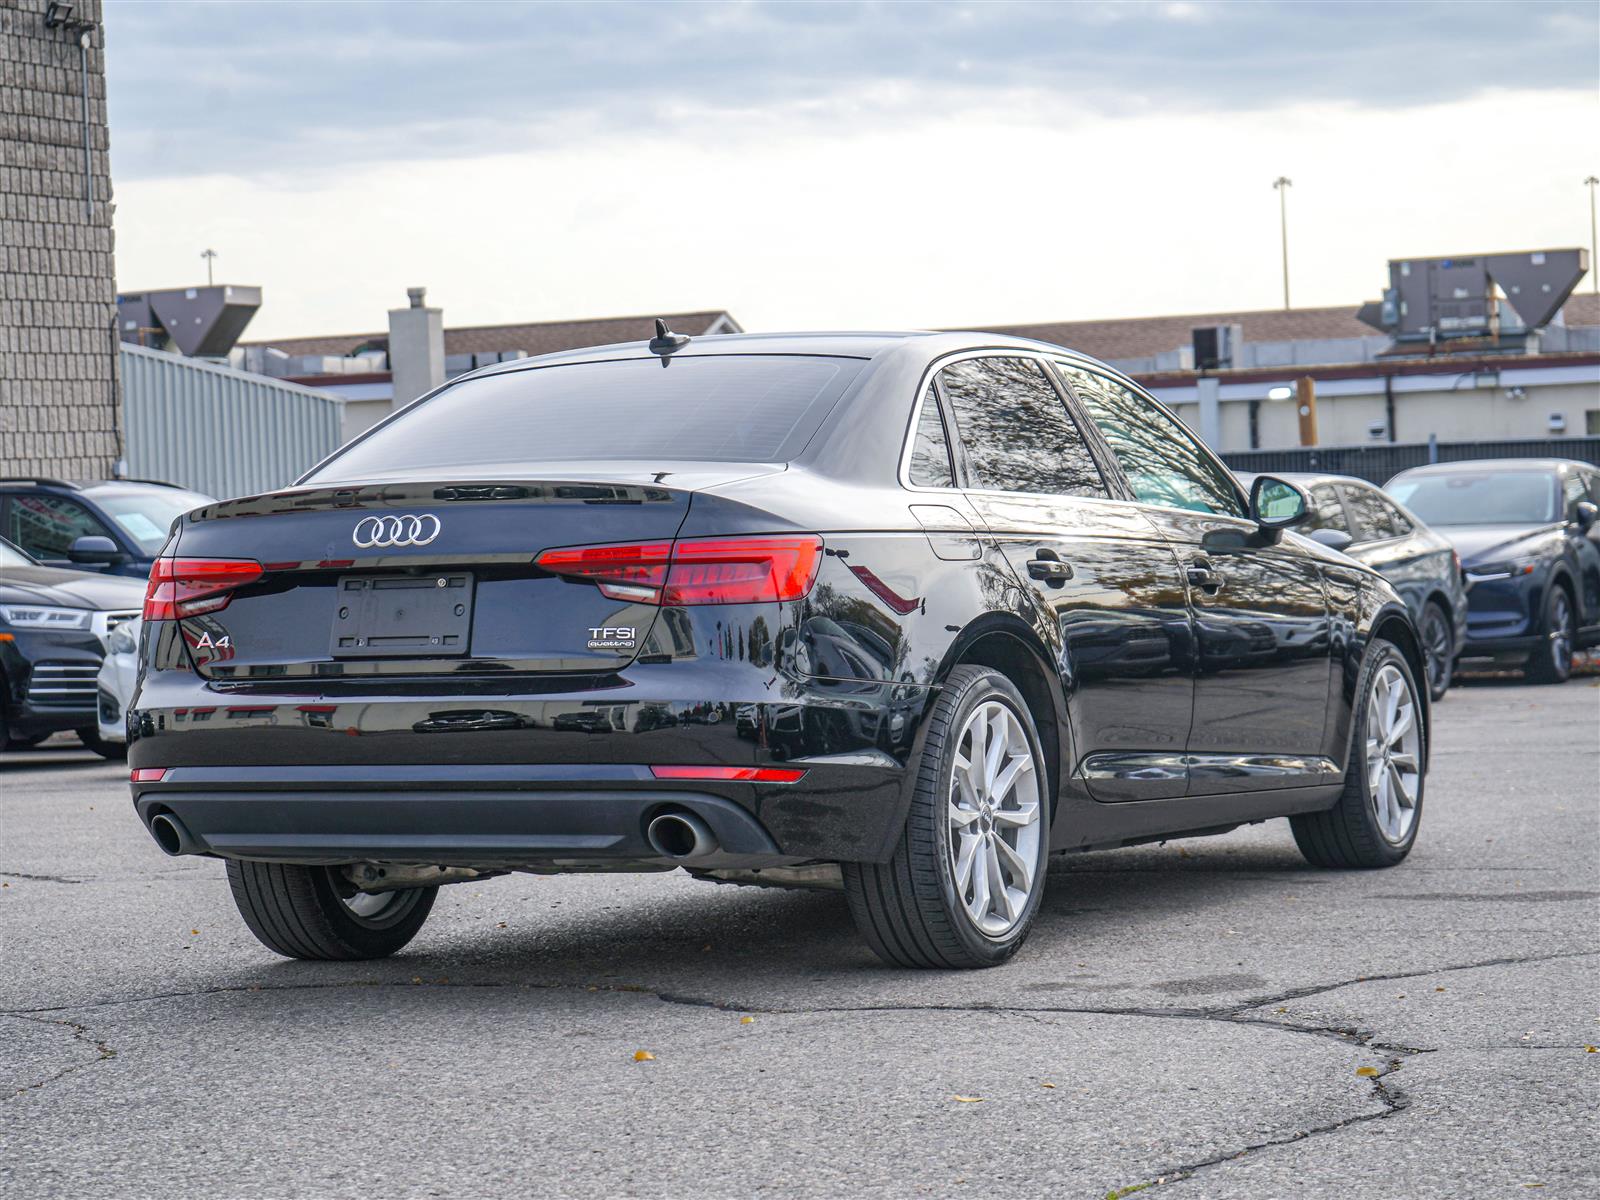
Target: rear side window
(718,408)
(930,449)
(1015,431)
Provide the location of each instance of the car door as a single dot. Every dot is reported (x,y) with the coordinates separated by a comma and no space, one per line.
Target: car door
(1098,573)
(1258,604)
(1579,486)
(46,524)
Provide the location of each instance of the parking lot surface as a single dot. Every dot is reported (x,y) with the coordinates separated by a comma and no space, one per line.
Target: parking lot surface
(1212,1016)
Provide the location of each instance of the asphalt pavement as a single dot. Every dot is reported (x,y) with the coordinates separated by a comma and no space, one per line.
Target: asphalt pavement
(1210,1018)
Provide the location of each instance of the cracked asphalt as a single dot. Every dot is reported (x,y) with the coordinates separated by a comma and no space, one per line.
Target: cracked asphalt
(1211,1017)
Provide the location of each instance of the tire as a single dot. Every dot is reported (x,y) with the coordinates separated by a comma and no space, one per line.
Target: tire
(1552,662)
(1351,833)
(1438,647)
(301,912)
(92,740)
(911,910)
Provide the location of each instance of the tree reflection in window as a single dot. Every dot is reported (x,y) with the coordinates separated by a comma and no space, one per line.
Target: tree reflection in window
(930,452)
(1017,434)
(1157,453)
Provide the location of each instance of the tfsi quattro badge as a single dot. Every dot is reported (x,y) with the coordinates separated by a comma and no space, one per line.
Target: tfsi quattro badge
(612,637)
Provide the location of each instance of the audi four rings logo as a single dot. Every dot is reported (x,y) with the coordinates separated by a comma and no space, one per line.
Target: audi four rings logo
(408,530)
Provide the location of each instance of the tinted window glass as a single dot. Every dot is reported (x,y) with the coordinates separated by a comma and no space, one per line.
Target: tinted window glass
(46,525)
(1015,430)
(1326,511)
(1163,462)
(930,452)
(1479,497)
(721,408)
(1373,517)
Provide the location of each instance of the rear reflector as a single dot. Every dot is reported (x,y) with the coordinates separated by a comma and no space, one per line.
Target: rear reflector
(189,587)
(147,774)
(731,774)
(741,570)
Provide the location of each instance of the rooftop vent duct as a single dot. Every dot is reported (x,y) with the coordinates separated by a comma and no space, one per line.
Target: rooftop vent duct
(1434,299)
(201,322)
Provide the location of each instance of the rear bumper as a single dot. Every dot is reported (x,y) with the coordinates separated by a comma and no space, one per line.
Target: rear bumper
(1501,649)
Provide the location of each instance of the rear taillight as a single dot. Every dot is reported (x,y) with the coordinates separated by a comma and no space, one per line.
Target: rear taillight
(742,570)
(147,774)
(190,587)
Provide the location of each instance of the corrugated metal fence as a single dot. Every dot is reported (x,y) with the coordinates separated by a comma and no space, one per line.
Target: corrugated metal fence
(1380,463)
(225,433)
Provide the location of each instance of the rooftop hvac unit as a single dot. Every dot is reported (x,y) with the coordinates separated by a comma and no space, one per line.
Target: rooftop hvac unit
(1435,299)
(1216,345)
(201,322)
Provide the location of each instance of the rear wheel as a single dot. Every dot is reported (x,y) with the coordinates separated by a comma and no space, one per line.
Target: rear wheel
(316,913)
(964,884)
(1375,822)
(1438,644)
(1552,662)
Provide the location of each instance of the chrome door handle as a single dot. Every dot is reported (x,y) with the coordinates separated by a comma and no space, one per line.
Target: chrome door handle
(1202,576)
(1049,570)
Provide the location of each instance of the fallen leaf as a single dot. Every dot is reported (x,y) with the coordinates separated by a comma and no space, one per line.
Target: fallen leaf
(968,1099)
(1048,1085)
(643,1056)
(1438,989)
(502,925)
(1590,1049)
(747,1020)
(1280,1010)
(196,932)
(1366,1072)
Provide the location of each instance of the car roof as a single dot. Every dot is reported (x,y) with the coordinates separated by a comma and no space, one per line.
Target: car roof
(1500,464)
(841,344)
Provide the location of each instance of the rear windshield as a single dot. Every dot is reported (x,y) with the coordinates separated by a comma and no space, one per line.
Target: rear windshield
(718,408)
(1479,497)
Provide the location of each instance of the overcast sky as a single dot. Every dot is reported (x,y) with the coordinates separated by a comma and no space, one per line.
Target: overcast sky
(836,165)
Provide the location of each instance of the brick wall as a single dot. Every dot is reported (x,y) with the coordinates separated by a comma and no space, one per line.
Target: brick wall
(59,397)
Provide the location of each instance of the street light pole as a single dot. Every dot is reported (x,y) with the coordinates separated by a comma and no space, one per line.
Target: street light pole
(1281,185)
(1594,242)
(208,255)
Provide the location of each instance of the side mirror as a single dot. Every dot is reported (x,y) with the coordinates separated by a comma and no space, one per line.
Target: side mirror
(1585,513)
(92,549)
(1276,504)
(1333,539)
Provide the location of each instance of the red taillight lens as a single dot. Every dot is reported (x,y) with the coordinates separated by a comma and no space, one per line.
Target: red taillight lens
(745,570)
(731,774)
(622,572)
(742,570)
(189,587)
(147,774)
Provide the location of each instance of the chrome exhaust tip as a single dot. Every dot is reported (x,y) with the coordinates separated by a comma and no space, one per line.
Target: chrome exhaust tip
(680,835)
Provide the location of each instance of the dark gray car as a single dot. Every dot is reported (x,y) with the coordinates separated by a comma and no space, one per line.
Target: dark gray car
(1354,516)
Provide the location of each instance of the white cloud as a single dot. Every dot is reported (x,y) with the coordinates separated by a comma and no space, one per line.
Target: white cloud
(1019,208)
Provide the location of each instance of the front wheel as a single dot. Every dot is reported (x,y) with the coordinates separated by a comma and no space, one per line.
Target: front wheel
(1375,822)
(316,913)
(964,884)
(1552,662)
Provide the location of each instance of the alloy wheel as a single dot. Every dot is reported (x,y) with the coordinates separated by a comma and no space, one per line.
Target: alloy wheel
(1560,632)
(1394,754)
(1436,644)
(994,818)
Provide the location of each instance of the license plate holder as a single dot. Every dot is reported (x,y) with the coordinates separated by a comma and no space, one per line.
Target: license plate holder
(385,616)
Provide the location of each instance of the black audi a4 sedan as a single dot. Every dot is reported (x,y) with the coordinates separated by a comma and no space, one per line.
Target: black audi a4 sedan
(899,614)
(1529,541)
(1352,515)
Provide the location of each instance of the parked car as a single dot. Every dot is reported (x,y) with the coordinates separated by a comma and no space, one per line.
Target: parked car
(117,681)
(1526,532)
(872,549)
(53,629)
(115,526)
(1352,515)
